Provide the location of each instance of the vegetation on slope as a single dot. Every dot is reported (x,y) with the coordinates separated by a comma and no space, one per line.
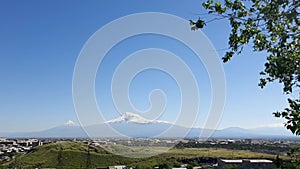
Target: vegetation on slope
(72,155)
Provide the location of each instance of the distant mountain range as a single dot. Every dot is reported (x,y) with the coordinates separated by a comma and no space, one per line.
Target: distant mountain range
(133,125)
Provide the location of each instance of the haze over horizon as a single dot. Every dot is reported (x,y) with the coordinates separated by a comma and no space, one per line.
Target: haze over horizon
(40,43)
(130,125)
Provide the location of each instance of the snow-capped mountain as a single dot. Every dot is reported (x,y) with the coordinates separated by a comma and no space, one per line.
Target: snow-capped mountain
(136,126)
(129,117)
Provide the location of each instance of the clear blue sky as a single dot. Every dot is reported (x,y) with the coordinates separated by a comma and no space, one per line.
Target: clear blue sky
(40,42)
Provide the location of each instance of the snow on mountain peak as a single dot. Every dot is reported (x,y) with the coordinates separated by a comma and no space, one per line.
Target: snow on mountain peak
(70,123)
(129,117)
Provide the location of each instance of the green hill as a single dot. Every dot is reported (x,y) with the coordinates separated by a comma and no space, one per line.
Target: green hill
(72,155)
(68,155)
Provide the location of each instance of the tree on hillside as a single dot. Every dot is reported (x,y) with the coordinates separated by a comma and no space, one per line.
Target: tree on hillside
(271,26)
(164,166)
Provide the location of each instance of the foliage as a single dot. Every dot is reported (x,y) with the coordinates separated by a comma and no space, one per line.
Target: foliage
(295,157)
(164,166)
(278,162)
(271,26)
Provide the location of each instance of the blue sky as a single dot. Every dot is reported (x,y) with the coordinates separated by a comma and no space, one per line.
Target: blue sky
(41,40)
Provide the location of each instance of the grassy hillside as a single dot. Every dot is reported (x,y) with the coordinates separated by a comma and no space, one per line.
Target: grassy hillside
(72,155)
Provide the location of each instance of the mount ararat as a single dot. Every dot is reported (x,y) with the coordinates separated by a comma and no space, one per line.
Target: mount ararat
(136,126)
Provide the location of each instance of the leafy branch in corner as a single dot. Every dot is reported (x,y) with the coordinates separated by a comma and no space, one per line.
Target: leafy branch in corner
(271,26)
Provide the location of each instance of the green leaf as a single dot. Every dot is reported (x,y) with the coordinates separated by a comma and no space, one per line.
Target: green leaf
(200,23)
(192,22)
